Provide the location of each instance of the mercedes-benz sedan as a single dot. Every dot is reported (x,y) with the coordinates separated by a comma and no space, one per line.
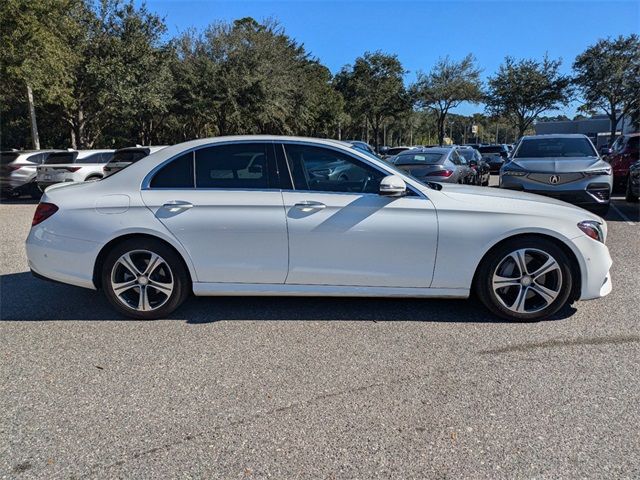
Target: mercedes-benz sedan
(246,216)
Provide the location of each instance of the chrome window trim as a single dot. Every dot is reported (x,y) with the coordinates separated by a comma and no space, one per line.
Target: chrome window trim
(146,181)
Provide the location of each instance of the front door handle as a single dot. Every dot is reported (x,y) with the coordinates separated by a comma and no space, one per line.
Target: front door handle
(177,205)
(309,206)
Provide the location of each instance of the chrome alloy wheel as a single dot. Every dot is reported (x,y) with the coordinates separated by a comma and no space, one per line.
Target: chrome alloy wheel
(142,280)
(527,280)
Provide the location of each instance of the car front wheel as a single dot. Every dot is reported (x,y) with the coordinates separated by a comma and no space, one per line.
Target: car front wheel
(525,279)
(144,279)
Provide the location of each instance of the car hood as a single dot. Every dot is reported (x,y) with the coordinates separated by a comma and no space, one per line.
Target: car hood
(512,201)
(560,165)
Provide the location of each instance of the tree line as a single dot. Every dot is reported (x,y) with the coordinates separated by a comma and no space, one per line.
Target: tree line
(85,74)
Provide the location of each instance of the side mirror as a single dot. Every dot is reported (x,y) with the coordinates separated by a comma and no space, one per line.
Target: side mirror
(473,163)
(393,186)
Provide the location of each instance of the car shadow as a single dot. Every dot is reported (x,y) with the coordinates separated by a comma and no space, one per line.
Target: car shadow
(19,201)
(24,298)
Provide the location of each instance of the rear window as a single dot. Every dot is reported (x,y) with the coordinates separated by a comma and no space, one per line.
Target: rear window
(131,156)
(58,158)
(395,151)
(555,148)
(7,158)
(492,149)
(418,158)
(96,158)
(467,153)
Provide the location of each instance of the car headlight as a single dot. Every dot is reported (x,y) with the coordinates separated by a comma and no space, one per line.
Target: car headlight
(592,229)
(604,171)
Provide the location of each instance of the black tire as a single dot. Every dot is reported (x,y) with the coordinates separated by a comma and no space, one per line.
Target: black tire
(177,272)
(629,196)
(93,178)
(483,283)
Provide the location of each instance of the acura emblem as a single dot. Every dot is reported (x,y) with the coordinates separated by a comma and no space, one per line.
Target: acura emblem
(554,179)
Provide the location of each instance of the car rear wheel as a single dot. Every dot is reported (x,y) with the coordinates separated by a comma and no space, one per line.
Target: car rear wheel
(144,279)
(525,279)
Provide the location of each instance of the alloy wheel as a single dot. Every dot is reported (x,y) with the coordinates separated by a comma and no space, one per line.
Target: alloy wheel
(527,280)
(142,280)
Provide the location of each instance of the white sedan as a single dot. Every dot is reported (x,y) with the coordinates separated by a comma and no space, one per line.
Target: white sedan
(267,215)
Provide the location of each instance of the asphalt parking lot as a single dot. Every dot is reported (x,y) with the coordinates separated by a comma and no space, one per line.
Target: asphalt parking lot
(316,388)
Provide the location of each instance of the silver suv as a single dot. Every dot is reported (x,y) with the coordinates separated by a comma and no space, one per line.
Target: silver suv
(566,167)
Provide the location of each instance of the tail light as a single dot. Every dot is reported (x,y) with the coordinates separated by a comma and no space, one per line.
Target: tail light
(43,211)
(72,169)
(441,173)
(13,168)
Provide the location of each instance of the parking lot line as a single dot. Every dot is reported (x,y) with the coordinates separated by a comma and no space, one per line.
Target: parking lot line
(626,219)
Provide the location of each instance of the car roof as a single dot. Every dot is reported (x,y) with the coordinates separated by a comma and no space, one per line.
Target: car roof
(441,150)
(139,148)
(555,135)
(86,153)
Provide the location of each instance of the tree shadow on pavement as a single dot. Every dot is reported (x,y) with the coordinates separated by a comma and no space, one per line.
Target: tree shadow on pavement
(26,298)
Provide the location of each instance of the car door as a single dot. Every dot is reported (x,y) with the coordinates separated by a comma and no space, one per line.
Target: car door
(342,232)
(223,204)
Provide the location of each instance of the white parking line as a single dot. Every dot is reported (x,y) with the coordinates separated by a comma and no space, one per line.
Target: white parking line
(622,215)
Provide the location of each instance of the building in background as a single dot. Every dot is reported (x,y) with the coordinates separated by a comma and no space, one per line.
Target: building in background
(597,128)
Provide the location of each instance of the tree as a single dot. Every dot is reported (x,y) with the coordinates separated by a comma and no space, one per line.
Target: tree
(36,57)
(607,75)
(521,90)
(446,86)
(373,89)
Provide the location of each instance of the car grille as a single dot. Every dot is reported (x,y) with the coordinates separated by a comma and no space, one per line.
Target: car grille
(562,178)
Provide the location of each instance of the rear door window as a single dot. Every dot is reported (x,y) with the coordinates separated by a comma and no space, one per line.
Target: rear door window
(235,166)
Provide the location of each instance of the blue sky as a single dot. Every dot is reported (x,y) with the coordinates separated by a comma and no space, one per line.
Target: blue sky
(419,32)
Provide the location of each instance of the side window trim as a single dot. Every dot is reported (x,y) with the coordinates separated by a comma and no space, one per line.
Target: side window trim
(271,160)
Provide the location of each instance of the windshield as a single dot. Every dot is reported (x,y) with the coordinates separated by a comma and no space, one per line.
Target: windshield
(58,158)
(555,148)
(7,158)
(418,158)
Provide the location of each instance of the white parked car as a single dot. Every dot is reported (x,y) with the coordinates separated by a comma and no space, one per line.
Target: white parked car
(72,166)
(124,157)
(243,216)
(18,171)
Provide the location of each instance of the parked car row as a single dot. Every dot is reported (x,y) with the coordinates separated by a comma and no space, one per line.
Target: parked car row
(462,165)
(29,172)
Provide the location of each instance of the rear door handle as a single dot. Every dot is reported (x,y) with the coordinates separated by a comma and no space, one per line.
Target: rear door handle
(308,206)
(177,205)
